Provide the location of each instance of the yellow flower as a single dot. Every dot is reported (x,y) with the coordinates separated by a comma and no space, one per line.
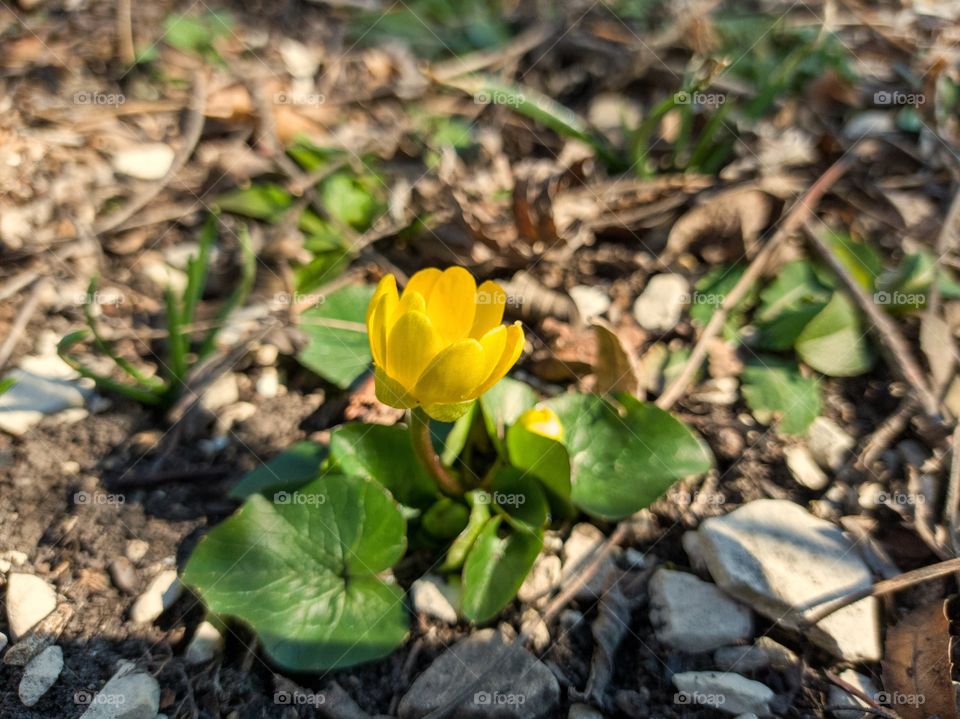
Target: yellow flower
(440,344)
(543,421)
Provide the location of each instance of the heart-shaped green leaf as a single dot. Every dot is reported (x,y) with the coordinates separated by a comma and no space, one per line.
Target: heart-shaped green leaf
(622,460)
(337,347)
(834,342)
(290,469)
(546,459)
(519,495)
(775,390)
(789,303)
(496,567)
(384,454)
(304,572)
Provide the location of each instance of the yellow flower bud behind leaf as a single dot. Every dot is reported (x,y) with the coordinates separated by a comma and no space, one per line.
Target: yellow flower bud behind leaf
(440,344)
(543,421)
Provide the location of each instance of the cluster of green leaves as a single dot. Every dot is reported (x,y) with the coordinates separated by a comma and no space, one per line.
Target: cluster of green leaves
(802,314)
(351,202)
(182,350)
(304,560)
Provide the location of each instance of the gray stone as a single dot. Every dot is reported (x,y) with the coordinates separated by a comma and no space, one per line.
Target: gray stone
(543,578)
(205,644)
(590,301)
(690,541)
(223,392)
(149,161)
(433,597)
(745,659)
(578,551)
(124,575)
(804,469)
(837,697)
(726,691)
(519,685)
(29,599)
(268,383)
(136,550)
(583,711)
(694,616)
(533,626)
(44,385)
(40,674)
(159,596)
(782,561)
(3,641)
(127,695)
(659,307)
(829,443)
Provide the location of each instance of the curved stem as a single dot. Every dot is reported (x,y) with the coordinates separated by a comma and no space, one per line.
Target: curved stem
(423,448)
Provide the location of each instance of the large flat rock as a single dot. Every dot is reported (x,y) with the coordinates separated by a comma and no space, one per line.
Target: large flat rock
(776,557)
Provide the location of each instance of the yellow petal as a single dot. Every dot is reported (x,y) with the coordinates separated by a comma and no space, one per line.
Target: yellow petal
(411,346)
(491,301)
(423,282)
(377,321)
(386,285)
(452,304)
(511,353)
(453,375)
(391,392)
(411,302)
(493,342)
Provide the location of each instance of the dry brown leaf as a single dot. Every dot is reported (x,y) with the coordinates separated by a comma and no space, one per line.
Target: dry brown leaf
(936,341)
(729,215)
(916,665)
(614,368)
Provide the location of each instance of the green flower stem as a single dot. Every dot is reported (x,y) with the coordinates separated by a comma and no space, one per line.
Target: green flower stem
(423,448)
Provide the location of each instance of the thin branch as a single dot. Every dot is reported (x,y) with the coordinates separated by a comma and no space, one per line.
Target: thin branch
(794,219)
(191,137)
(21,321)
(903,361)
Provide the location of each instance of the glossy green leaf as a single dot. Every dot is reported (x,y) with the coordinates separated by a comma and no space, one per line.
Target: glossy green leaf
(337,348)
(502,404)
(544,458)
(711,292)
(384,454)
(496,567)
(776,391)
(788,303)
(266,201)
(306,573)
(622,459)
(834,342)
(479,515)
(446,518)
(519,495)
(292,468)
(860,258)
(350,200)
